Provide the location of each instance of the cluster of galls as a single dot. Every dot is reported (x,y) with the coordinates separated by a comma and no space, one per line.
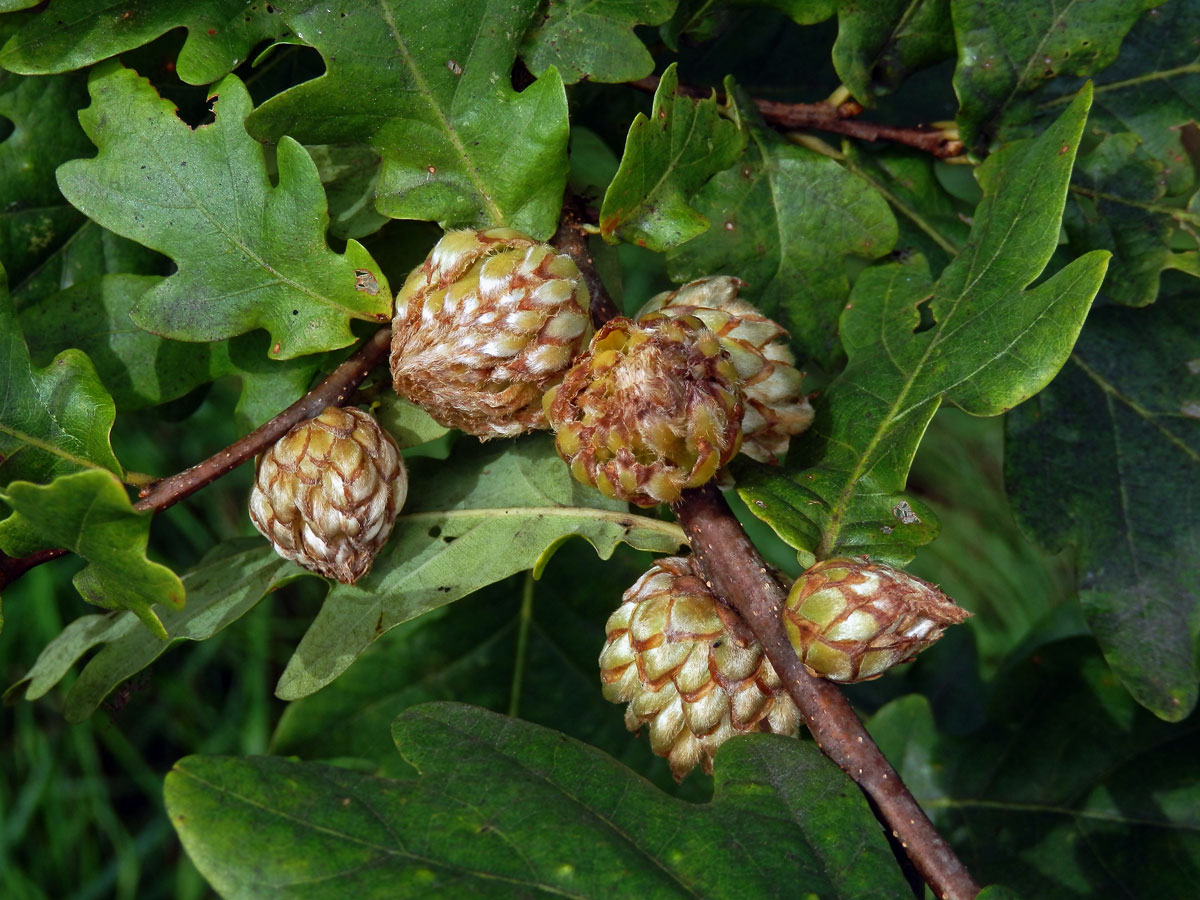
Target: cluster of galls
(689,681)
(490,336)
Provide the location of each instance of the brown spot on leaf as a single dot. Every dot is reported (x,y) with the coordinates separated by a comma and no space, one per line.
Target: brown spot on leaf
(366,282)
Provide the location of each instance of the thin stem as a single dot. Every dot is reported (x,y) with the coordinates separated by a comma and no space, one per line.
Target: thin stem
(13,568)
(333,391)
(837,120)
(739,577)
(525,618)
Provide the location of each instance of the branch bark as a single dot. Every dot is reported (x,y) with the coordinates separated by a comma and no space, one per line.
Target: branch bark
(838,119)
(736,572)
(332,391)
(739,577)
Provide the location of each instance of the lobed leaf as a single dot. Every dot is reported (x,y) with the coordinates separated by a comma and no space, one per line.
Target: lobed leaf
(1008,50)
(1152,89)
(1134,193)
(1107,460)
(786,220)
(76,33)
(140,369)
(428,87)
(930,220)
(519,646)
(667,158)
(1068,790)
(221,588)
(34,217)
(89,513)
(495,512)
(992,344)
(1116,203)
(249,255)
(463,826)
(594,39)
(53,421)
(880,44)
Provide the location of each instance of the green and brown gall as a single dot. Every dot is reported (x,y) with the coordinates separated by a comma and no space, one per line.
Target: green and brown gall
(776,407)
(651,409)
(482,327)
(852,620)
(685,677)
(327,493)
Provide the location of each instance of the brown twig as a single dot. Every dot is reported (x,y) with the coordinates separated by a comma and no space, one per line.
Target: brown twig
(12,568)
(572,239)
(735,571)
(835,119)
(738,576)
(333,391)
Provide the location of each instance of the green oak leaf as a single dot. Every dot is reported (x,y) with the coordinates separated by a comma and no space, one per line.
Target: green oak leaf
(459,145)
(264,825)
(1135,192)
(53,421)
(880,44)
(930,219)
(993,343)
(522,646)
(34,217)
(1152,90)
(1067,790)
(249,255)
(76,33)
(495,512)
(786,220)
(221,588)
(89,513)
(1007,52)
(140,369)
(1105,460)
(350,174)
(667,158)
(1116,203)
(594,39)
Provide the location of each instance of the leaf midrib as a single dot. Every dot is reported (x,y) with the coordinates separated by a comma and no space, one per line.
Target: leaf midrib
(400,852)
(841,504)
(32,441)
(578,512)
(426,92)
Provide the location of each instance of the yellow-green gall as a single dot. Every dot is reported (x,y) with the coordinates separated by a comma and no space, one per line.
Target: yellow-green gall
(651,408)
(685,678)
(852,620)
